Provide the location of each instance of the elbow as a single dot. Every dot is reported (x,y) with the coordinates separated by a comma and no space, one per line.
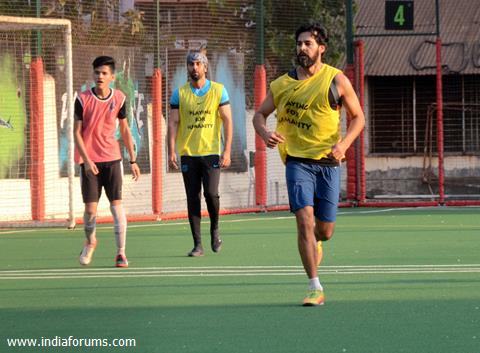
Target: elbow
(258,121)
(76,138)
(256,118)
(171,128)
(360,119)
(125,131)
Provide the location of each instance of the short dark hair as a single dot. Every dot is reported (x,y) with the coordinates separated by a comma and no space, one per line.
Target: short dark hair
(104,60)
(316,29)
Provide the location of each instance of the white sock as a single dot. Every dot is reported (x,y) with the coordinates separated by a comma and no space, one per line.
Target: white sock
(120,227)
(89,225)
(315,284)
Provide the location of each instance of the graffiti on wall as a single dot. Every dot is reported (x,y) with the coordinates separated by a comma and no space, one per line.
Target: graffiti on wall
(236,91)
(12,121)
(62,133)
(134,104)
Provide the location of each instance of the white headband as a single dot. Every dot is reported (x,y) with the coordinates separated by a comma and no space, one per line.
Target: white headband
(191,57)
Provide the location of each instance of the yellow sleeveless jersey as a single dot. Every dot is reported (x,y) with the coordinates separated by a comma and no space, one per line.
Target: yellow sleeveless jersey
(200,125)
(304,116)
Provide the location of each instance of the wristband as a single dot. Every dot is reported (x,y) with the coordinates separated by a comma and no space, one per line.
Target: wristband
(133,162)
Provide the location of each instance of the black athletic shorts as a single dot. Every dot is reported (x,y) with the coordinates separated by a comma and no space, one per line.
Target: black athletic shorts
(110,176)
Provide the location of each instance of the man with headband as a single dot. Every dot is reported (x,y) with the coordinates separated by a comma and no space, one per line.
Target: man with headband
(198,110)
(308,100)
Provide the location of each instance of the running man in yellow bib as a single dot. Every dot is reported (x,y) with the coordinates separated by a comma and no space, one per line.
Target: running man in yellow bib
(198,110)
(308,100)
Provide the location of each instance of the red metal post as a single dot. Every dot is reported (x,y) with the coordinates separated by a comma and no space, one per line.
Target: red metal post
(157,156)
(441,175)
(350,154)
(260,92)
(361,193)
(37,148)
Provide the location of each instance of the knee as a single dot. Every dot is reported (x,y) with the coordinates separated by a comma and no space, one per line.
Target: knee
(304,229)
(193,196)
(304,225)
(210,195)
(89,216)
(323,234)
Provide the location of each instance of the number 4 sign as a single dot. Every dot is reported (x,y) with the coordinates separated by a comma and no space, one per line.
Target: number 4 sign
(399,15)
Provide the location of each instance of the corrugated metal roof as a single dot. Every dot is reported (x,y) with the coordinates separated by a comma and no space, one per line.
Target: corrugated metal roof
(409,55)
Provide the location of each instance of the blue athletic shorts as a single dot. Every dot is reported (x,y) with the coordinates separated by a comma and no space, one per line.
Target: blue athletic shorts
(314,185)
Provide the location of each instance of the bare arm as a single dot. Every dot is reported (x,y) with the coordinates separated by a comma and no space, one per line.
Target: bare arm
(226,116)
(80,144)
(173,120)
(128,142)
(352,106)
(271,138)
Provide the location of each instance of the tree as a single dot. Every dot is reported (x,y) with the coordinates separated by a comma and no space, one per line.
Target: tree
(283,18)
(98,21)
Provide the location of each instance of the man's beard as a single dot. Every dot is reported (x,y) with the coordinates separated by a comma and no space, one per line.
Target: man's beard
(195,76)
(305,61)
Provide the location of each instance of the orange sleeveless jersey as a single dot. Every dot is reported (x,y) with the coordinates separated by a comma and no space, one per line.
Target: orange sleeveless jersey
(99,126)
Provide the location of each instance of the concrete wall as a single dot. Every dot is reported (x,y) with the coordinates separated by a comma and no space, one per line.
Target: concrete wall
(405,176)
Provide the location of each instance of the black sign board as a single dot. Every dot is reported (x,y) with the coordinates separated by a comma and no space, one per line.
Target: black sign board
(399,15)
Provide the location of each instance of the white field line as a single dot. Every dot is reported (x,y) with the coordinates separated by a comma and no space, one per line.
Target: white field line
(232,271)
(22,231)
(275,267)
(300,273)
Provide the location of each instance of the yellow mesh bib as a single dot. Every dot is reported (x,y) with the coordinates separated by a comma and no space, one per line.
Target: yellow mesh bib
(304,116)
(200,125)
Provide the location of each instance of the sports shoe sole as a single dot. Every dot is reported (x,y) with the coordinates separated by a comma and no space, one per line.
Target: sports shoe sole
(195,254)
(313,304)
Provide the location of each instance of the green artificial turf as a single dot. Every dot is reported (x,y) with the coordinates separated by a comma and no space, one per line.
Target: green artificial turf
(395,281)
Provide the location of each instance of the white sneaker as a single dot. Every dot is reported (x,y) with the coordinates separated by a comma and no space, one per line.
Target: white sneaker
(86,254)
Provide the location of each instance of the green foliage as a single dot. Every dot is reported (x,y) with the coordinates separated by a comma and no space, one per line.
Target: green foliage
(283,18)
(231,23)
(93,21)
(16,7)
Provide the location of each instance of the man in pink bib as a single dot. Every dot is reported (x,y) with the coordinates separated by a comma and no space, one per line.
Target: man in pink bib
(97,112)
